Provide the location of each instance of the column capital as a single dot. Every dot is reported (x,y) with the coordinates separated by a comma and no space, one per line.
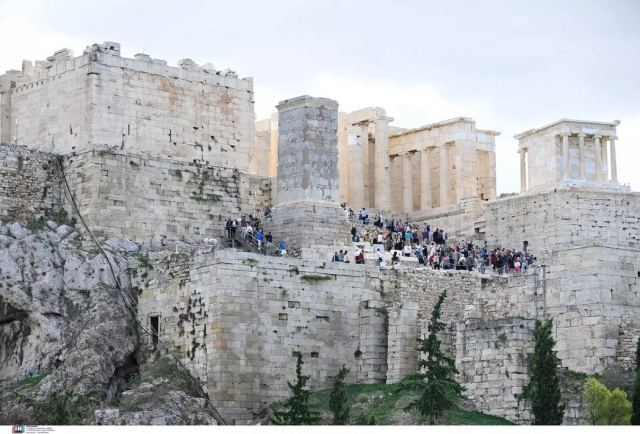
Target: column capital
(597,136)
(582,135)
(523,149)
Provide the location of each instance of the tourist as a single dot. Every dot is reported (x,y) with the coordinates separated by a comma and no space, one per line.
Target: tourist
(259,238)
(406,251)
(283,247)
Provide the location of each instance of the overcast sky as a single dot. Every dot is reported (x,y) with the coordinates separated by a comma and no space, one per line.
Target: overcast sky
(510,65)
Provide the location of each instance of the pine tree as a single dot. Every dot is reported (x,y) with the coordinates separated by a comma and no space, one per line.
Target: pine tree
(338,399)
(544,388)
(435,379)
(295,410)
(635,400)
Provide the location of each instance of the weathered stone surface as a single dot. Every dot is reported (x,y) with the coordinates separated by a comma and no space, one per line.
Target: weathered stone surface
(139,105)
(60,315)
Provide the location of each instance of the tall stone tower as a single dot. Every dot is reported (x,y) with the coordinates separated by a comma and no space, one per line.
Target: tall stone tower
(307,213)
(307,150)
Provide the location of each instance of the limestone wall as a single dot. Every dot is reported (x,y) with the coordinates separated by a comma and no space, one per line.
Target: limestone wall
(459,221)
(29,185)
(562,218)
(125,195)
(593,295)
(263,309)
(162,281)
(139,105)
(492,360)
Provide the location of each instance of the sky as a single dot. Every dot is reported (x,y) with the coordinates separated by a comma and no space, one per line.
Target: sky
(510,65)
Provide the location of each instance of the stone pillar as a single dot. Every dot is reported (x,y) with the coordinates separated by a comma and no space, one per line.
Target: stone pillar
(581,156)
(425,179)
(565,155)
(605,161)
(598,152)
(307,215)
(407,183)
(444,175)
(307,150)
(614,166)
(356,180)
(459,190)
(523,170)
(382,176)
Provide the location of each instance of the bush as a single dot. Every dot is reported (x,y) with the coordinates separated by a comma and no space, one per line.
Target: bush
(604,406)
(66,407)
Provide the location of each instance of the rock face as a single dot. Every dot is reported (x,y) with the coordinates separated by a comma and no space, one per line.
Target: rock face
(61,315)
(154,402)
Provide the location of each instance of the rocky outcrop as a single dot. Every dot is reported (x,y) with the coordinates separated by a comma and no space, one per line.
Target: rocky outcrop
(60,315)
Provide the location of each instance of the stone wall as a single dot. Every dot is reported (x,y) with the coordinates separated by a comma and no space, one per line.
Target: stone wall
(593,296)
(562,218)
(459,221)
(135,197)
(264,309)
(232,311)
(29,184)
(492,360)
(139,105)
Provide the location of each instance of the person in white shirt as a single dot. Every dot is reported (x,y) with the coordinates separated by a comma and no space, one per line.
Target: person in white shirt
(407,250)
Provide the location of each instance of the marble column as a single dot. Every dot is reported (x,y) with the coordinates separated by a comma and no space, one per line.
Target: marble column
(444,175)
(565,154)
(614,166)
(581,156)
(356,179)
(598,152)
(382,170)
(425,179)
(407,183)
(605,161)
(523,170)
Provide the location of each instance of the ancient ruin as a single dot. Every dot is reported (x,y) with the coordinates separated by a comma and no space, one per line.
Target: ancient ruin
(156,158)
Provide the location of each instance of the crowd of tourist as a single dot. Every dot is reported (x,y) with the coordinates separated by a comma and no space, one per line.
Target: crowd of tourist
(431,247)
(252,231)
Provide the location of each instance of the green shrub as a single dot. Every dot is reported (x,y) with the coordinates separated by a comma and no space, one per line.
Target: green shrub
(604,406)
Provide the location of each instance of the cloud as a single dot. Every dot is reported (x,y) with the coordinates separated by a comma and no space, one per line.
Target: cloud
(26,41)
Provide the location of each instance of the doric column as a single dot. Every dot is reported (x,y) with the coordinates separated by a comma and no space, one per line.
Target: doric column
(598,152)
(614,166)
(459,190)
(523,170)
(565,154)
(605,161)
(444,175)
(407,183)
(356,194)
(382,176)
(581,157)
(425,179)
